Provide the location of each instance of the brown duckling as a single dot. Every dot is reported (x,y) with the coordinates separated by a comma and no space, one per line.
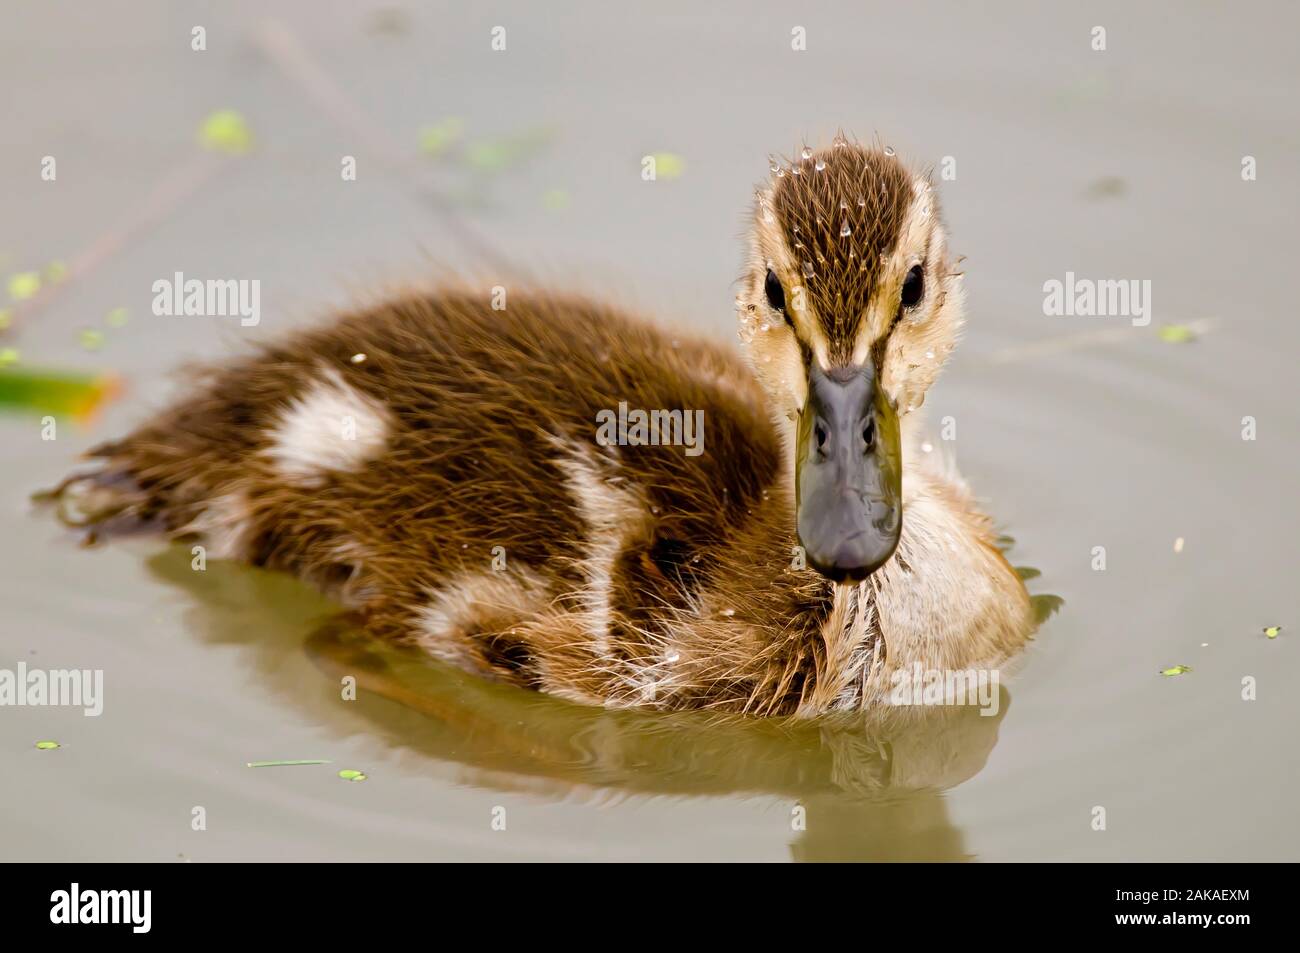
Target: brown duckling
(565,497)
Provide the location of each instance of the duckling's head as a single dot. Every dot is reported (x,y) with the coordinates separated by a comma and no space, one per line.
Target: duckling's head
(847,311)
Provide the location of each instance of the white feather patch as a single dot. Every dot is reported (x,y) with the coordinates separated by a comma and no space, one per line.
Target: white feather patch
(330,427)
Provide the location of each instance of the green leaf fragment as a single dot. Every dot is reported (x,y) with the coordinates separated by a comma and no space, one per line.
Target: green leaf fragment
(47,745)
(55,272)
(348,774)
(24,285)
(1176,670)
(1176,334)
(1027,572)
(117,317)
(91,339)
(53,392)
(282,764)
(226,131)
(1272,631)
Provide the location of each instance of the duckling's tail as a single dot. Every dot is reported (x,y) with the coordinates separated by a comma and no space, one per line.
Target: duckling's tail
(103,502)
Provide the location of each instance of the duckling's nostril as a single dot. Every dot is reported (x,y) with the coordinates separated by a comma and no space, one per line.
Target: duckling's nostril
(819,431)
(869,433)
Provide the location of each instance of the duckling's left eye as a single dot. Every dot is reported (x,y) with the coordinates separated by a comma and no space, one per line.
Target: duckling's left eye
(913,287)
(775,293)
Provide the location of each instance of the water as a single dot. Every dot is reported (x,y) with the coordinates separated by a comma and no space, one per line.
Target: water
(1078,432)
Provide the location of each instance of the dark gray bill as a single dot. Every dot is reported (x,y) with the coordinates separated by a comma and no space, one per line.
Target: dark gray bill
(848,474)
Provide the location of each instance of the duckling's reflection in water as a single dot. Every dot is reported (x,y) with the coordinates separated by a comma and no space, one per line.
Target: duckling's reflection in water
(869,788)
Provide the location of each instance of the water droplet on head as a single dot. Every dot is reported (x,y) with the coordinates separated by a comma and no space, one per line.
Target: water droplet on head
(929,355)
(795,170)
(820,165)
(807,153)
(861,202)
(889,150)
(843,205)
(780,173)
(776,165)
(845,231)
(808,269)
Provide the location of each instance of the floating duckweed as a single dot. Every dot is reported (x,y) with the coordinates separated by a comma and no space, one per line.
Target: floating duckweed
(1176,334)
(495,155)
(24,285)
(55,272)
(117,318)
(1176,670)
(1028,572)
(8,355)
(48,745)
(226,131)
(91,339)
(436,139)
(348,774)
(282,764)
(555,200)
(1272,631)
(668,165)
(1110,186)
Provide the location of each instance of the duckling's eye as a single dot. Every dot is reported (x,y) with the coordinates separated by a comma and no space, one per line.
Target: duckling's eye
(775,293)
(913,287)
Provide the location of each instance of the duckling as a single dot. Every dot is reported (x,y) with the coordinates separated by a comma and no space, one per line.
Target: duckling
(441,468)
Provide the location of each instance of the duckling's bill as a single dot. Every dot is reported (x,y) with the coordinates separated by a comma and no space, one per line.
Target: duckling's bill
(848,473)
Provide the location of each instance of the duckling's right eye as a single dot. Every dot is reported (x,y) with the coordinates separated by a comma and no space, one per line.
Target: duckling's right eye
(775,293)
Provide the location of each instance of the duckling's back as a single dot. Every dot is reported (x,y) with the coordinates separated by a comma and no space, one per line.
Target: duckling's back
(544,494)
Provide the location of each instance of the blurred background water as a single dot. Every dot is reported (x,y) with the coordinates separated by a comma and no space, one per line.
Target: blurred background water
(1078,432)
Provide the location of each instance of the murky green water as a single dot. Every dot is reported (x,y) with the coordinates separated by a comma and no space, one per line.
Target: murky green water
(1079,432)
